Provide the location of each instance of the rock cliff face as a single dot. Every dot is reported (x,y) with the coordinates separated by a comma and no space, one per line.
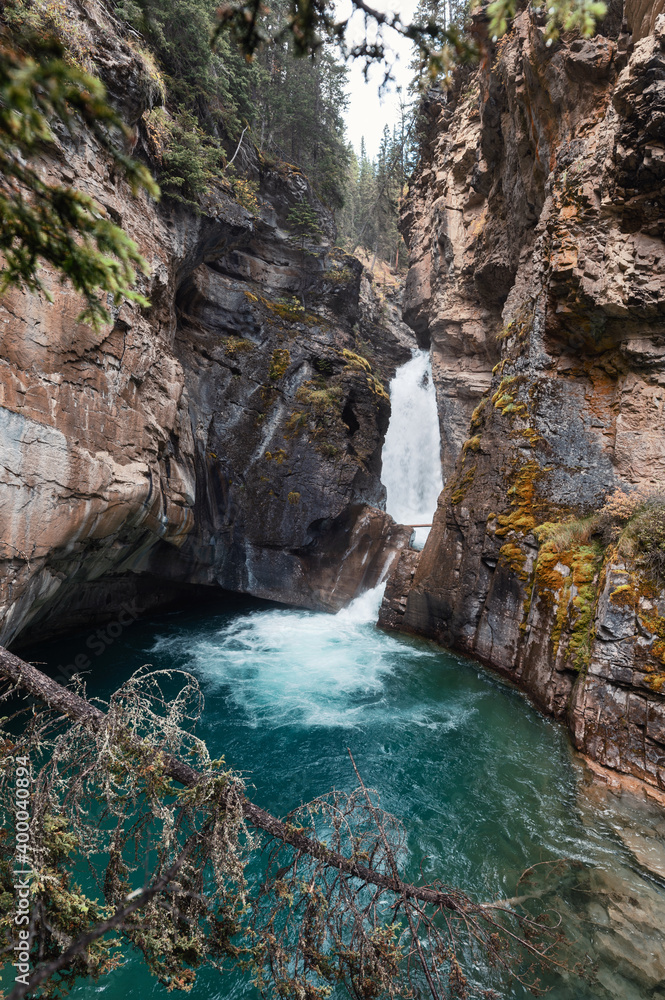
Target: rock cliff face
(536,225)
(229,436)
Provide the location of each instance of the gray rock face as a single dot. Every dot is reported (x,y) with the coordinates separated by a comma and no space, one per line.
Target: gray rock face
(229,436)
(536,225)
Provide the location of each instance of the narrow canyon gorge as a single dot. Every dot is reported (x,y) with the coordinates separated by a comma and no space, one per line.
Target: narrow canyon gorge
(250,462)
(230,436)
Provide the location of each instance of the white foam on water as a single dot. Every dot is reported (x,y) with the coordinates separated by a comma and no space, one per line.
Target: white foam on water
(412,451)
(288,667)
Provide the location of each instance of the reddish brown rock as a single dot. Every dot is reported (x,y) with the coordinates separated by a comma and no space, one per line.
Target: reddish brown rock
(222,437)
(536,225)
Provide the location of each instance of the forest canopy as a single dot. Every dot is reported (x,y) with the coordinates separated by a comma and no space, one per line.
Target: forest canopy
(274,77)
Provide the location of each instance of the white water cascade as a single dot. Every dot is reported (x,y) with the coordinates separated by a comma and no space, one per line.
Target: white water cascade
(411,453)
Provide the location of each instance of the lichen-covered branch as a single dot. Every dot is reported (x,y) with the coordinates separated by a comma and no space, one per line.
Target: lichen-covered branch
(326,909)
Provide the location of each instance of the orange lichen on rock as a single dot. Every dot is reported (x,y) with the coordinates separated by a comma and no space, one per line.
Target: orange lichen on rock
(522,517)
(655,625)
(513,557)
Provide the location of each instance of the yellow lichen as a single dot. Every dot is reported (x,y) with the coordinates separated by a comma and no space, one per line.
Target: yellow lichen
(513,409)
(623,596)
(477,415)
(506,401)
(472,444)
(339,276)
(513,557)
(279,362)
(293,498)
(521,518)
(377,388)
(237,345)
(575,615)
(654,624)
(290,310)
(356,361)
(294,424)
(323,399)
(532,435)
(459,487)
(520,326)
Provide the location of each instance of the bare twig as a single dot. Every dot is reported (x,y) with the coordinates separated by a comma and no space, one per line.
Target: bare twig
(237,148)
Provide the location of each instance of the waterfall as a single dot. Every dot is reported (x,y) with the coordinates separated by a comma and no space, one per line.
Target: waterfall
(411,453)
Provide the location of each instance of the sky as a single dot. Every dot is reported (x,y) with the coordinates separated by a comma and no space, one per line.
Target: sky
(367,114)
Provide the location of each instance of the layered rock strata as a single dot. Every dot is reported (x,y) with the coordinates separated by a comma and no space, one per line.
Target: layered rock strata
(228,436)
(536,225)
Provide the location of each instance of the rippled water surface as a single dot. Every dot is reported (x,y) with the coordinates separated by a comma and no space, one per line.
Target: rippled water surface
(485,785)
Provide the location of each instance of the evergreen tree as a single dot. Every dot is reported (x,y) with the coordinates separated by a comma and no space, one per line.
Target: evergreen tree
(374,188)
(40,94)
(298,111)
(294,107)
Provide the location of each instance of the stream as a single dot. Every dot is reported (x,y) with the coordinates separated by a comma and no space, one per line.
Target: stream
(485,785)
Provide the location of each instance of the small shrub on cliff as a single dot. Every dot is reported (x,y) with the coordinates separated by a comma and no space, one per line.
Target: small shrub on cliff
(246,193)
(616,512)
(634,521)
(279,362)
(322,399)
(188,158)
(565,535)
(644,536)
(304,221)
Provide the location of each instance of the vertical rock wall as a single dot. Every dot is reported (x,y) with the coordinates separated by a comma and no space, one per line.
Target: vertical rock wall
(536,227)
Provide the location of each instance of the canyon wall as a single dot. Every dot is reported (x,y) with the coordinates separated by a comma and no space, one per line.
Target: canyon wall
(535,223)
(229,436)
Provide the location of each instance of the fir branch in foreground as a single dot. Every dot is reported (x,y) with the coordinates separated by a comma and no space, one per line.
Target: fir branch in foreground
(442,46)
(43,222)
(330,907)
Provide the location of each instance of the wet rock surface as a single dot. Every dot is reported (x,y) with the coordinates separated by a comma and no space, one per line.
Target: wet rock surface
(393,606)
(535,225)
(624,911)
